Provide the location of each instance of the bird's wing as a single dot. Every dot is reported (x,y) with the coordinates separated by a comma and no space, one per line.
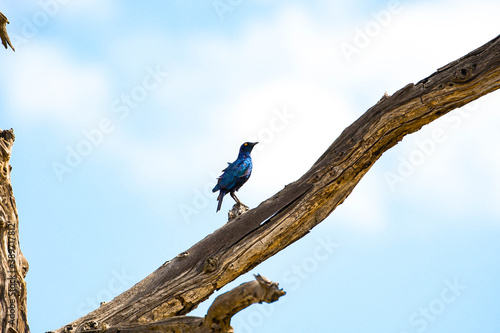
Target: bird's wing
(245,169)
(232,174)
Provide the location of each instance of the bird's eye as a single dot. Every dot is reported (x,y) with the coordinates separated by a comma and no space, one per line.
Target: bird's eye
(246,144)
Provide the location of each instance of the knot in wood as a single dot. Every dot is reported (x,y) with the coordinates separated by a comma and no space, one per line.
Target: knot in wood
(90,325)
(210,264)
(314,179)
(6,141)
(68,328)
(5,170)
(183,255)
(463,74)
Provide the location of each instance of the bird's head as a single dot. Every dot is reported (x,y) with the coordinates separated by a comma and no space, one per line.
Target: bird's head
(247,147)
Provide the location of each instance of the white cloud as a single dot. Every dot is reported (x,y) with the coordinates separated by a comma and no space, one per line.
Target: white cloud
(401,54)
(292,62)
(365,209)
(89,10)
(419,39)
(455,175)
(150,164)
(45,83)
(294,122)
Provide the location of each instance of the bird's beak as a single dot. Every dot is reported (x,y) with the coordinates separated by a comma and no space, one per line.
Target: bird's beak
(254,143)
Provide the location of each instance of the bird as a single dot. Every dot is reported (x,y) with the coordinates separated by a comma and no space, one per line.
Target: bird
(235,175)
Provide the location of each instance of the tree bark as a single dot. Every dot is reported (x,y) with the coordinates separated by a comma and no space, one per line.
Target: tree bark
(14,265)
(180,284)
(218,317)
(225,306)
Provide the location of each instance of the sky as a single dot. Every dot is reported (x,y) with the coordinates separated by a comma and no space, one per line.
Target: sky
(126,112)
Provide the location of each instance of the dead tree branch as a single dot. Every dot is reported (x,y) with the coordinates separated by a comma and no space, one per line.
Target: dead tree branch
(3,32)
(225,306)
(217,320)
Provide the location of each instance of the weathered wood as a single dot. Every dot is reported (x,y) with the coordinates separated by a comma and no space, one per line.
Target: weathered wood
(218,318)
(180,284)
(225,306)
(13,264)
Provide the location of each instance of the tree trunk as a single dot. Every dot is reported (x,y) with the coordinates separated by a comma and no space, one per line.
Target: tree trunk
(14,265)
(180,284)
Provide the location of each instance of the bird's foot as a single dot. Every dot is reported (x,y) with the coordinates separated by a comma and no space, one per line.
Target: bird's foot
(237,210)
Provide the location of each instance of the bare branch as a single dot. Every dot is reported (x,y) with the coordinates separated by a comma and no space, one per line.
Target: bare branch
(217,320)
(3,32)
(225,306)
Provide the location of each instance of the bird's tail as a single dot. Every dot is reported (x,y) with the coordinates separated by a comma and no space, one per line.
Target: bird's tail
(222,193)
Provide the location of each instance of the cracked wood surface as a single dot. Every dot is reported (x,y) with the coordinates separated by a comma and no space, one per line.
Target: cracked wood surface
(14,265)
(218,318)
(180,284)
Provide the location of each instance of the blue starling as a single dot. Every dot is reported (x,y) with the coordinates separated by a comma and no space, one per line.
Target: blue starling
(235,175)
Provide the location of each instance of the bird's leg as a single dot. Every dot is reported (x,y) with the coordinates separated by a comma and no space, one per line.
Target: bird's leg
(235,198)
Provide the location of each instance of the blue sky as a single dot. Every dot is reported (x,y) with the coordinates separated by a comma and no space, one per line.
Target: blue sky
(125,113)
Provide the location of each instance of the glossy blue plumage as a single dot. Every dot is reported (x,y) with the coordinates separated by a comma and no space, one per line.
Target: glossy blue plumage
(236,174)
